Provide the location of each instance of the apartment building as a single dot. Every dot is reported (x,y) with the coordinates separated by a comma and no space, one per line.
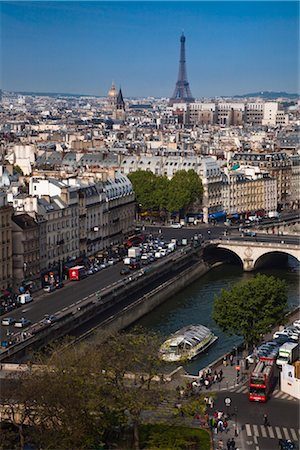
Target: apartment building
(278,165)
(6,269)
(243,194)
(26,251)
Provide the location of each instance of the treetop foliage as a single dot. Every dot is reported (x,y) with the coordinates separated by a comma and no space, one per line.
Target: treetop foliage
(158,193)
(251,308)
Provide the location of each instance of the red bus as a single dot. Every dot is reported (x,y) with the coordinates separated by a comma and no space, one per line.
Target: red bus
(135,240)
(261,381)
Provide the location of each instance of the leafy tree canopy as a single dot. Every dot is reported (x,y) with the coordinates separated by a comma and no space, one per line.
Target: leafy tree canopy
(157,192)
(185,188)
(252,308)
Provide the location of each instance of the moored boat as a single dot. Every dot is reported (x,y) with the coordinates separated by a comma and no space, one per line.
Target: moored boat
(187,343)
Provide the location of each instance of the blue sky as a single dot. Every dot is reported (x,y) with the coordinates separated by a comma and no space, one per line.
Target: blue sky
(80,47)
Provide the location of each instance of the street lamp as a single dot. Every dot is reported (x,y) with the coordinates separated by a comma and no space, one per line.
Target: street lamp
(227,402)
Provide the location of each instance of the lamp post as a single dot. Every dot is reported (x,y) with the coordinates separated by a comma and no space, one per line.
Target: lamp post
(227,402)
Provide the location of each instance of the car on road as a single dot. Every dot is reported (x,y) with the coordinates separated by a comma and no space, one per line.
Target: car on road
(286,444)
(285,332)
(176,225)
(297,324)
(125,271)
(22,323)
(248,233)
(7,321)
(49,288)
(50,319)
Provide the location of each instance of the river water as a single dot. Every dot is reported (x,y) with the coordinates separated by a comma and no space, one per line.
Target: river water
(193,305)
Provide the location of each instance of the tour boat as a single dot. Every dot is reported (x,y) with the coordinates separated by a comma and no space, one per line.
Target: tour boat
(187,343)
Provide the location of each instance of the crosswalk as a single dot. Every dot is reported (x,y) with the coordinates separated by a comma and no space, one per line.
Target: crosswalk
(276,432)
(276,394)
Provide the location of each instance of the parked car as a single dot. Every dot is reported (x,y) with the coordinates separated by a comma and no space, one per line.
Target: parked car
(49,288)
(7,321)
(22,323)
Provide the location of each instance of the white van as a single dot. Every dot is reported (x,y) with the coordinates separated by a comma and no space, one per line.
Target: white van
(24,298)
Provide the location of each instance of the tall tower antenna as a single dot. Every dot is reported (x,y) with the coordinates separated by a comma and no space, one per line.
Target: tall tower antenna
(182,92)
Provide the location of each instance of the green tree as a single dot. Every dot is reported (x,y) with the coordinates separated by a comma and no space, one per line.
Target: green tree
(144,185)
(17,169)
(184,189)
(252,308)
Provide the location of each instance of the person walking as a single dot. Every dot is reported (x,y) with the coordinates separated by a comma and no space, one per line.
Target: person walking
(231,359)
(228,444)
(266,420)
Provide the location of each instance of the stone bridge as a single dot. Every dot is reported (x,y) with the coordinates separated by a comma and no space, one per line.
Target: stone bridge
(250,252)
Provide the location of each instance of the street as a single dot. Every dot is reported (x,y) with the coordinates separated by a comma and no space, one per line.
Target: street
(283,416)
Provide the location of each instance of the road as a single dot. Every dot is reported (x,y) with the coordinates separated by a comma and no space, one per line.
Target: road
(283,416)
(72,292)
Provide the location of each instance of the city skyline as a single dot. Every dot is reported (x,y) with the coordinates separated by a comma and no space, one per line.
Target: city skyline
(79,48)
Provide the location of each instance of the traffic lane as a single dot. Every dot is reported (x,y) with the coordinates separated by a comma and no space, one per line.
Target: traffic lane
(61,298)
(169,233)
(280,412)
(217,231)
(294,240)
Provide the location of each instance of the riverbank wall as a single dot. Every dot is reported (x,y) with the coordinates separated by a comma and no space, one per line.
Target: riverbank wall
(150,301)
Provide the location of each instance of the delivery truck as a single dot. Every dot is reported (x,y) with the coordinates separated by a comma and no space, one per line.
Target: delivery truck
(134,252)
(77,273)
(24,298)
(288,353)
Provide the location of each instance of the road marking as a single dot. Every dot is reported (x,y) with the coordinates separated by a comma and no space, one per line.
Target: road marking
(255,440)
(294,434)
(278,432)
(285,432)
(65,308)
(271,433)
(284,396)
(248,430)
(256,432)
(263,431)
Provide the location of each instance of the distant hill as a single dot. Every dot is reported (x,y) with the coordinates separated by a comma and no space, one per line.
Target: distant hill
(269,95)
(54,94)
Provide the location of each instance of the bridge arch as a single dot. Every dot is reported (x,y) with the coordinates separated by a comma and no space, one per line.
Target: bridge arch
(277,256)
(214,253)
(250,252)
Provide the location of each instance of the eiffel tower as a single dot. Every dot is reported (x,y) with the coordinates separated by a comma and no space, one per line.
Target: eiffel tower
(182,92)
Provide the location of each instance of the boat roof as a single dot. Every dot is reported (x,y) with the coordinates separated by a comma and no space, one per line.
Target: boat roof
(192,335)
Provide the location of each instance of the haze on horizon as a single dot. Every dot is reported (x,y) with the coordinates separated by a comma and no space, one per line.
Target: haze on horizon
(80,47)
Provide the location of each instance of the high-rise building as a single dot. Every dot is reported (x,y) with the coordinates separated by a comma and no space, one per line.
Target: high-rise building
(182,92)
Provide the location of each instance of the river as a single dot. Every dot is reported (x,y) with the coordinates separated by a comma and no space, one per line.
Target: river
(194,305)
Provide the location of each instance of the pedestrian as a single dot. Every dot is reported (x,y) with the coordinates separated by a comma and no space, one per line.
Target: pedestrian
(225,361)
(221,375)
(228,444)
(266,420)
(220,426)
(211,402)
(225,424)
(220,445)
(232,444)
(231,359)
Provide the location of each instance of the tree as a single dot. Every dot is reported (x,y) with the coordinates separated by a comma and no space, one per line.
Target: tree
(82,392)
(184,189)
(144,186)
(17,169)
(252,308)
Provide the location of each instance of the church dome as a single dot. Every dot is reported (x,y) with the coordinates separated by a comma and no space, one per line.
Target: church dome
(112,92)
